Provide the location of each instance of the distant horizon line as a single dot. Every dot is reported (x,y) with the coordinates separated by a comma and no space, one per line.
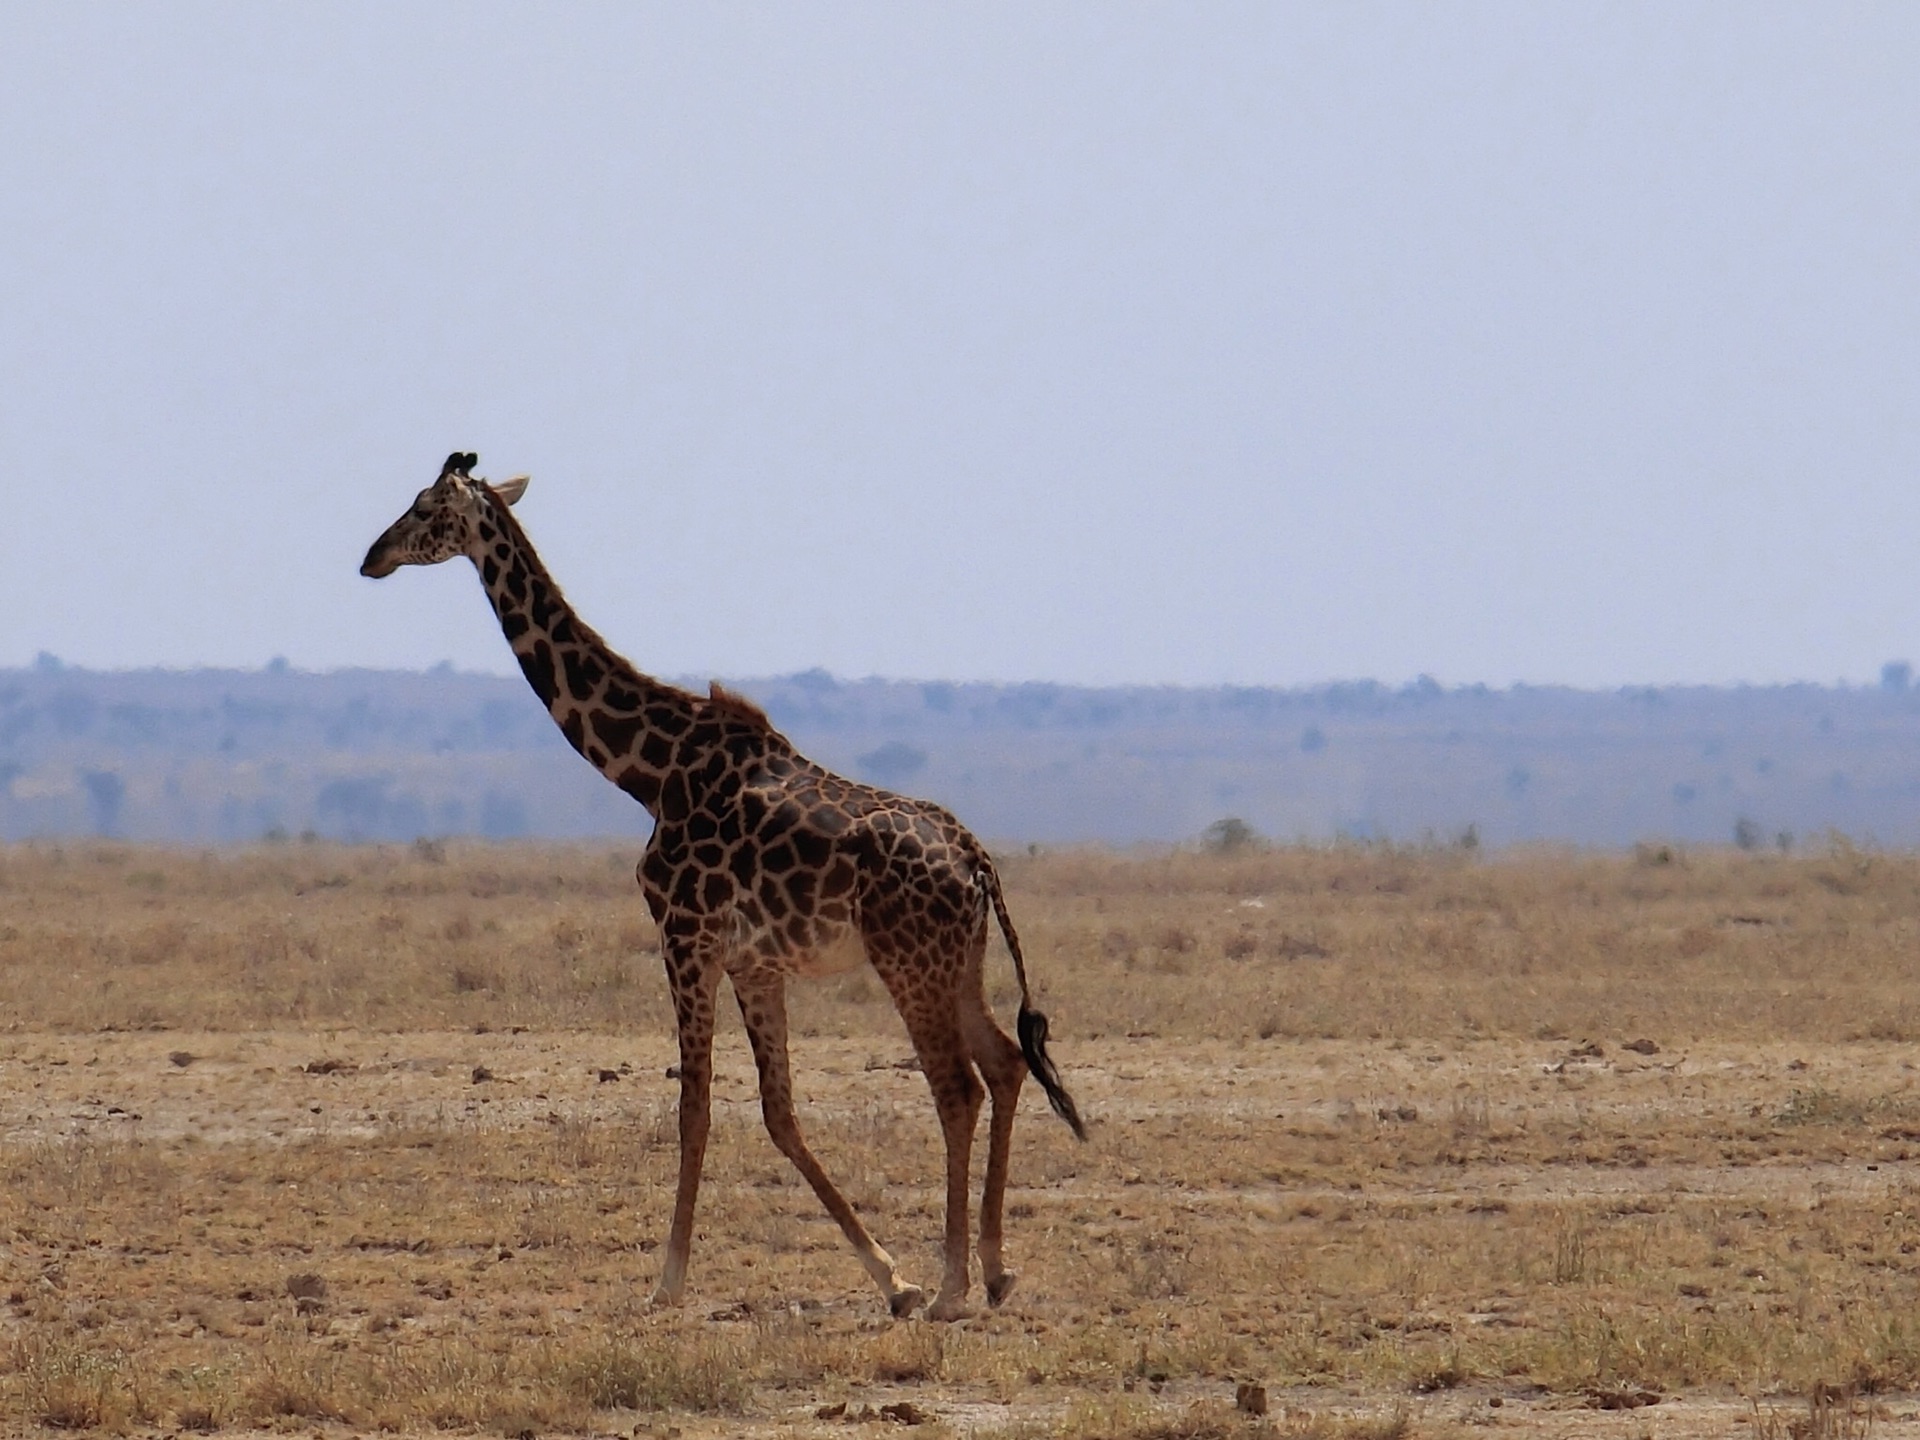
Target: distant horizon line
(1896,677)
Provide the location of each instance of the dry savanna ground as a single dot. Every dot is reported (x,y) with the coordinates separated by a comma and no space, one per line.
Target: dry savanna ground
(336,1140)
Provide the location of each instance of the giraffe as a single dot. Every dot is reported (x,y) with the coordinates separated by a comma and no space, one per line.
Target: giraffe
(764,867)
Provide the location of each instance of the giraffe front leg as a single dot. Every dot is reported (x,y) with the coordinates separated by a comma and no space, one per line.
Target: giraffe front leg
(693,993)
(763,1007)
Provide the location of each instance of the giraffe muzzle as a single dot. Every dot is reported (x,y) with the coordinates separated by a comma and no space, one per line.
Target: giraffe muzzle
(379,562)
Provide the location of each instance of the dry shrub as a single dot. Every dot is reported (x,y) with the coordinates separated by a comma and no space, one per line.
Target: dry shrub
(76,1389)
(1175,940)
(293,1382)
(1830,1413)
(474,980)
(708,1374)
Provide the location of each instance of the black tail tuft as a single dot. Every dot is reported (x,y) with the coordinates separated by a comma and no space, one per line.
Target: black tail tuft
(1033,1044)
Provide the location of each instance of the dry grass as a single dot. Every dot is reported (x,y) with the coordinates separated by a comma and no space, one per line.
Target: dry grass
(1377,1141)
(1346,943)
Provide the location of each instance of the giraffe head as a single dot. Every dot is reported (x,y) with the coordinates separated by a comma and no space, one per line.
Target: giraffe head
(443,520)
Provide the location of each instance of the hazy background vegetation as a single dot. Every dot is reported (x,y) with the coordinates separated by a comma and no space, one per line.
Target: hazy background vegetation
(237,755)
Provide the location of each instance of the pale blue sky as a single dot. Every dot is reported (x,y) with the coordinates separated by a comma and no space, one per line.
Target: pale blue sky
(1264,343)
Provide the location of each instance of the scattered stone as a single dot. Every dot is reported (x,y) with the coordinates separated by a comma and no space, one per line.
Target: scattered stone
(1446,1377)
(481,1074)
(1250,1399)
(673,1072)
(330,1067)
(1591,1050)
(1623,1397)
(905,1413)
(182,1058)
(607,1077)
(831,1412)
(1641,1047)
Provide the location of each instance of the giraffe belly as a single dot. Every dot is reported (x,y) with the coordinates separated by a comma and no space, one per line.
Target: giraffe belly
(823,948)
(835,953)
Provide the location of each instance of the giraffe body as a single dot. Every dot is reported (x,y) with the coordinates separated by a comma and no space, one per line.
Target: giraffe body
(764,867)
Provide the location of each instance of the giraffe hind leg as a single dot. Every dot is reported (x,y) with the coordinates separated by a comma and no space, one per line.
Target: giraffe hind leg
(957,1096)
(763,1007)
(1004,1068)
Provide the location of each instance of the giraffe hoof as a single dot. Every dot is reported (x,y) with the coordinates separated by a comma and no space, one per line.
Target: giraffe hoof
(955,1309)
(905,1301)
(663,1299)
(999,1287)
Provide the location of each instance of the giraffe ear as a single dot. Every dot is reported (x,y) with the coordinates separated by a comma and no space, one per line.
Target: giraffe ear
(510,490)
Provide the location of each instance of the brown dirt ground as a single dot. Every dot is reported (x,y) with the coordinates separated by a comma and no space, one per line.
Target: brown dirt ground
(1520,1125)
(316,1139)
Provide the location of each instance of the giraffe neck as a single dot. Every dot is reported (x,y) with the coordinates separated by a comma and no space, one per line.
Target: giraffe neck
(625,723)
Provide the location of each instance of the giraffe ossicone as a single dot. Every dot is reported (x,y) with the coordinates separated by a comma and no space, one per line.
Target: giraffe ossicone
(765,867)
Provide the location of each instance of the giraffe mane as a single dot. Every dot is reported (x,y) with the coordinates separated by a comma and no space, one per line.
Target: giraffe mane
(731,702)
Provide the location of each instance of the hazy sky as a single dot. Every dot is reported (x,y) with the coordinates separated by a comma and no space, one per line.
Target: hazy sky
(1266,343)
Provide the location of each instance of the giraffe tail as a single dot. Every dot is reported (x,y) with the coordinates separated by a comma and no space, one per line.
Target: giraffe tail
(1032,1025)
